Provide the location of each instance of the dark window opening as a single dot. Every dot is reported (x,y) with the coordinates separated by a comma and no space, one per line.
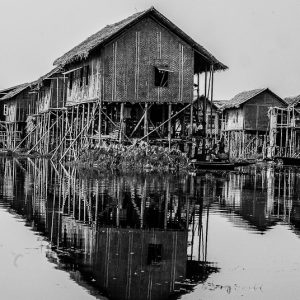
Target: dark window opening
(70,81)
(154,254)
(81,77)
(161,77)
(87,72)
(211,121)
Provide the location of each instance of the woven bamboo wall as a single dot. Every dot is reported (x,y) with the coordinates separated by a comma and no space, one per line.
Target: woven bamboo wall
(256,111)
(20,106)
(84,92)
(123,70)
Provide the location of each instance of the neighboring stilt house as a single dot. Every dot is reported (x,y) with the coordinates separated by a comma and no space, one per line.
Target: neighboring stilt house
(134,81)
(284,132)
(46,124)
(15,104)
(212,117)
(245,122)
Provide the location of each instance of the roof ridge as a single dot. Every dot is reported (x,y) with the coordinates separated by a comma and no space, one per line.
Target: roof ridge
(108,32)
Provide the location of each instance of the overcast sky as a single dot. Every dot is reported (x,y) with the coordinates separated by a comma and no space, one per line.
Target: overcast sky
(259,40)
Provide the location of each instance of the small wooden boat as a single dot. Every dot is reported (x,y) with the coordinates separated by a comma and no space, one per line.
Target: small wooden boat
(213,165)
(245,162)
(289,161)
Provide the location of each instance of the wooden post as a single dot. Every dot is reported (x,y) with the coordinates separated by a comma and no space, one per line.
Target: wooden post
(169,124)
(82,126)
(281,123)
(146,121)
(71,125)
(191,120)
(76,129)
(204,114)
(211,102)
(121,122)
(100,122)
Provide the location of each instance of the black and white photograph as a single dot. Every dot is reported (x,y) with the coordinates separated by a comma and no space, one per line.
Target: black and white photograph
(149,149)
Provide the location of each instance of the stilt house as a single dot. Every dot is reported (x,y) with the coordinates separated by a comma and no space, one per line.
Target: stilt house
(134,80)
(245,121)
(16,104)
(45,125)
(284,134)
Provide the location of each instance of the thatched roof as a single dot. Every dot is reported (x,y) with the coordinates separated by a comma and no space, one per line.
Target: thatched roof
(9,93)
(15,91)
(7,90)
(292,100)
(109,32)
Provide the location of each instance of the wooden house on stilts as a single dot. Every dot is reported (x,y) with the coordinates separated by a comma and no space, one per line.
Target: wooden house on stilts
(245,123)
(284,133)
(47,123)
(134,81)
(16,104)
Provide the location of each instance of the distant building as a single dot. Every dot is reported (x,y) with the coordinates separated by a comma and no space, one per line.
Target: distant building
(293,101)
(16,103)
(212,117)
(245,121)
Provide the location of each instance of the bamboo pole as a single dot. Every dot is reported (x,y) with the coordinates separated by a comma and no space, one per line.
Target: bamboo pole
(191,120)
(165,122)
(82,130)
(100,120)
(211,101)
(169,124)
(146,130)
(204,114)
(122,128)
(26,137)
(42,136)
(138,124)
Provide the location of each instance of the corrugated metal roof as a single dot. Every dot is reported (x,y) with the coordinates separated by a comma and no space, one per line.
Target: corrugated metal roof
(242,97)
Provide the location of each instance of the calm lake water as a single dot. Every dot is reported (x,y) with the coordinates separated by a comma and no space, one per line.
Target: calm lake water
(66,234)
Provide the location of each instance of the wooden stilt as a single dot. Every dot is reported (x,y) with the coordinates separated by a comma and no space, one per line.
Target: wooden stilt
(191,120)
(169,124)
(100,121)
(122,127)
(146,122)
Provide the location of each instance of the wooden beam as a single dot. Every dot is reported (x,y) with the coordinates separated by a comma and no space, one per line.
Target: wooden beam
(165,122)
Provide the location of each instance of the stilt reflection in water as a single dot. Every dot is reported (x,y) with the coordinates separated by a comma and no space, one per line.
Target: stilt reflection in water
(154,236)
(126,236)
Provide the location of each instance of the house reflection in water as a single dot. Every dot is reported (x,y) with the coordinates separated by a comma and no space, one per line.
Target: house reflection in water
(128,236)
(261,196)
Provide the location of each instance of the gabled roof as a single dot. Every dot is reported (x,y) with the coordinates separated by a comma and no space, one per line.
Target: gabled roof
(16,90)
(292,100)
(243,97)
(13,91)
(82,50)
(214,103)
(220,103)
